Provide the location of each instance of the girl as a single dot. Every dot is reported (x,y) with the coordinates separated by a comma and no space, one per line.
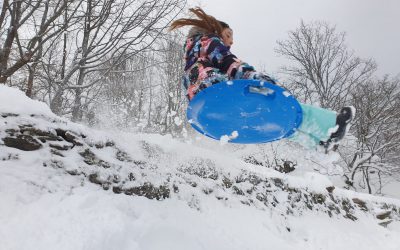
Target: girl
(208,56)
(209,61)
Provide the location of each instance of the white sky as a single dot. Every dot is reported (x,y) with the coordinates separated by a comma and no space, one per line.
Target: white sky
(372,27)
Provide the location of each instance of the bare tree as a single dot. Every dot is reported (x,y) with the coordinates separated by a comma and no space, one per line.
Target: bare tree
(376,152)
(323,69)
(126,88)
(110,31)
(145,92)
(172,90)
(20,29)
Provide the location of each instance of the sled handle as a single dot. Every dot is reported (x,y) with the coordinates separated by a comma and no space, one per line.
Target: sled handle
(260,90)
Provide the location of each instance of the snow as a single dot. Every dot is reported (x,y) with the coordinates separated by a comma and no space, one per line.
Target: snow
(42,207)
(86,217)
(286,93)
(89,218)
(11,103)
(226,138)
(177,121)
(314,181)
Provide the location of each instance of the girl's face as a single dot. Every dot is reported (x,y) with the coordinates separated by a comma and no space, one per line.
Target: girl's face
(227,37)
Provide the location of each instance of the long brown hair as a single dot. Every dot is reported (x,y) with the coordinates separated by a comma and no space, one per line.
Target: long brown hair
(205,22)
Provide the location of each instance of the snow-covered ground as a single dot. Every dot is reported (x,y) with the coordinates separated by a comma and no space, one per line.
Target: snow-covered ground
(53,198)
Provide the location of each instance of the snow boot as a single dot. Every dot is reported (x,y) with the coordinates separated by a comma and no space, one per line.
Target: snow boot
(343,120)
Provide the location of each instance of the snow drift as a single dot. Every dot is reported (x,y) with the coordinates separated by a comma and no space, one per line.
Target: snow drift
(66,186)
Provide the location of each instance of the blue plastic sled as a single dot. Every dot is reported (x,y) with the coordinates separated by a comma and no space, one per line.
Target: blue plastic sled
(245,111)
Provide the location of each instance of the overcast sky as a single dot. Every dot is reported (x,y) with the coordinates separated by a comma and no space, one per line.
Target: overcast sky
(372,27)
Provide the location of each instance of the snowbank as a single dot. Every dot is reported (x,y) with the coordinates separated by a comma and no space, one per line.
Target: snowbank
(87,189)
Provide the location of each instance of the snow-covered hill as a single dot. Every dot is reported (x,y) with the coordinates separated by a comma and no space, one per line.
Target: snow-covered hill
(66,186)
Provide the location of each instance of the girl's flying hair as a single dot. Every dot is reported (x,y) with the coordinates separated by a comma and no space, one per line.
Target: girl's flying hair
(205,22)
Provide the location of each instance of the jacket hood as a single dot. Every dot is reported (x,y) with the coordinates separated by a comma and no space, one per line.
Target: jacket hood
(194,31)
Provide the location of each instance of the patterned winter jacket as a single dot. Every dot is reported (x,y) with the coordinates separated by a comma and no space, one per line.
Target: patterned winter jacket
(209,61)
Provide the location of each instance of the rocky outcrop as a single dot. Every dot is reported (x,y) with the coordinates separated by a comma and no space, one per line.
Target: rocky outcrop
(156,177)
(22,142)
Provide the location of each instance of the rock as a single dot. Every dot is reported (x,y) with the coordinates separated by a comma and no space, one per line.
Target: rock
(99,145)
(60,147)
(5,115)
(44,139)
(208,191)
(147,190)
(237,190)
(384,215)
(286,167)
(362,204)
(11,131)
(94,178)
(226,182)
(117,190)
(318,198)
(351,217)
(89,156)
(330,189)
(176,188)
(385,223)
(278,182)
(56,164)
(69,137)
(72,172)
(55,152)
(348,208)
(43,136)
(28,129)
(123,156)
(23,142)
(131,177)
(91,159)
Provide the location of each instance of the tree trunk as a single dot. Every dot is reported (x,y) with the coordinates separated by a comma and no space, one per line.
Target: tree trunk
(56,102)
(77,109)
(32,71)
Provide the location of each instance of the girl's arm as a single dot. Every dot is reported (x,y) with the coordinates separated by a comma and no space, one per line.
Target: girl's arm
(222,58)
